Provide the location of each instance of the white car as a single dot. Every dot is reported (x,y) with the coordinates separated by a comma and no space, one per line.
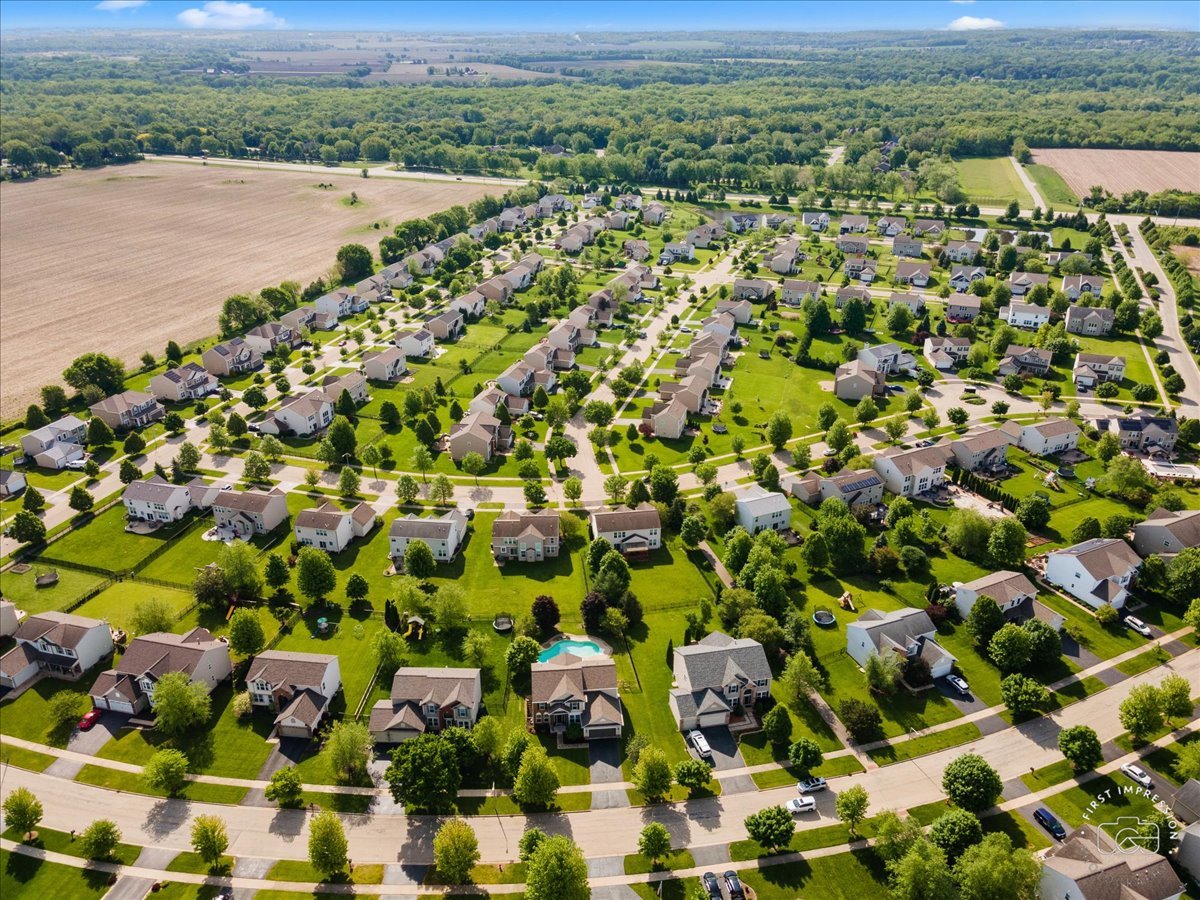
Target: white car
(1137,774)
(811,785)
(958,684)
(801,805)
(77,465)
(700,742)
(1138,625)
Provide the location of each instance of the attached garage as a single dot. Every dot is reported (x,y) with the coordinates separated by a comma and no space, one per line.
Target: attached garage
(610,731)
(714,720)
(113,704)
(293,728)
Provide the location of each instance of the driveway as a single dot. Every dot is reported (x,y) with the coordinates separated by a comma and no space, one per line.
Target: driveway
(726,754)
(287,752)
(89,742)
(968,704)
(604,767)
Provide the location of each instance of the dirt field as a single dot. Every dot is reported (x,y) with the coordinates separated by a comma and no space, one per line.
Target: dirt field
(1121,171)
(1190,257)
(123,259)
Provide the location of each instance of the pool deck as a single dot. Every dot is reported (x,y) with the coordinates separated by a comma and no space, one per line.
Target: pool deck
(574,642)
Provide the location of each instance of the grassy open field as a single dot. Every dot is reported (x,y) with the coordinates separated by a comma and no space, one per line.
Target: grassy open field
(992,181)
(1051,186)
(163,244)
(1121,171)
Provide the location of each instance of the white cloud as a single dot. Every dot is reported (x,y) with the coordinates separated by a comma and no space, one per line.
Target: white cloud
(226,14)
(117,5)
(973,23)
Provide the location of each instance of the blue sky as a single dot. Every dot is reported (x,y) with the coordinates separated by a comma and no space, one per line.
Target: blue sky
(598,15)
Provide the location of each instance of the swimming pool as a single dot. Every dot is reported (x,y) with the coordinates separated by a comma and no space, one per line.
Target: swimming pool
(577,648)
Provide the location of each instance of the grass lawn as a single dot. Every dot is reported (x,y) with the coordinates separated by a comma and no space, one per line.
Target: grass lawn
(60,842)
(1099,802)
(28,716)
(930,743)
(1048,776)
(21,589)
(103,542)
(1155,656)
(25,759)
(992,181)
(845,876)
(804,839)
(349,640)
(806,722)
(1165,759)
(176,890)
(831,768)
(636,864)
(303,870)
(671,889)
(189,861)
(1051,186)
(24,877)
(645,679)
(1020,830)
(512,873)
(115,779)
(116,603)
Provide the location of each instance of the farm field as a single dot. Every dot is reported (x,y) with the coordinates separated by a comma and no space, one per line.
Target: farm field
(1121,171)
(992,181)
(220,230)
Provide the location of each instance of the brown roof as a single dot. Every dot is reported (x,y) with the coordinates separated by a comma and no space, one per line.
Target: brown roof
(1091,859)
(511,523)
(247,501)
(162,652)
(62,629)
(624,518)
(279,667)
(327,516)
(1003,587)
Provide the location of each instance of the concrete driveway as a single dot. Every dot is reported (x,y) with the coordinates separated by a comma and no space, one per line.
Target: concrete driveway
(726,754)
(89,742)
(968,704)
(604,767)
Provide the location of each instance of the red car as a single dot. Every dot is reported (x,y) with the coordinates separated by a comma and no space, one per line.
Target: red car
(92,717)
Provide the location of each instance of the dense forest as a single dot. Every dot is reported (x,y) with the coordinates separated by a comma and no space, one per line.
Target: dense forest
(744,110)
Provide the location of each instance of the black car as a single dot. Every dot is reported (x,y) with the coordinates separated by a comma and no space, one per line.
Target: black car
(733,884)
(712,886)
(1046,819)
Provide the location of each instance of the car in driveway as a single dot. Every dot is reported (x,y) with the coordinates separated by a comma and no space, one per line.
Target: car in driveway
(77,465)
(1046,819)
(712,886)
(90,718)
(700,743)
(1138,774)
(733,884)
(811,785)
(959,684)
(799,805)
(1136,624)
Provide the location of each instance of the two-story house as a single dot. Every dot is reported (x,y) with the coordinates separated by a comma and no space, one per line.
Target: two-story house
(58,645)
(1093,321)
(1076,286)
(129,688)
(910,473)
(300,414)
(1145,433)
(128,409)
(1011,591)
(887,358)
(266,337)
(963,276)
(187,382)
(388,364)
(247,513)
(903,245)
(479,432)
(298,687)
(758,509)
(1045,438)
(1091,369)
(53,446)
(426,699)
(944,353)
(1021,360)
(529,536)
(415,342)
(1099,572)
(233,357)
(914,273)
(331,528)
(962,307)
(443,534)
(716,678)
(156,500)
(1024,315)
(908,633)
(576,691)
(985,450)
(756,290)
(633,531)
(1166,532)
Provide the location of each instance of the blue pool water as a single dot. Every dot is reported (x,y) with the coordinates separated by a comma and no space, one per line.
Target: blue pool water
(578,648)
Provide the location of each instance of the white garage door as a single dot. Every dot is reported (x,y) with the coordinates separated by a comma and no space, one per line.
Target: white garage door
(713,720)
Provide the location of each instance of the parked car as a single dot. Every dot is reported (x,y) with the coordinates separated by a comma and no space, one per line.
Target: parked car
(1138,625)
(733,884)
(959,684)
(1138,774)
(801,805)
(712,886)
(90,718)
(1046,819)
(683,329)
(77,464)
(811,785)
(700,743)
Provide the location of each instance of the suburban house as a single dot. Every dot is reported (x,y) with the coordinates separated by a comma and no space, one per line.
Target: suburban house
(890,226)
(529,536)
(903,245)
(782,259)
(11,483)
(722,323)
(779,221)
(817,221)
(914,302)
(931,227)
(630,530)
(341,303)
(231,358)
(962,277)
(553,203)
(618,220)
(1146,433)
(759,509)
(481,433)
(352,383)
(568,336)
(490,400)
(10,618)
(1024,315)
(446,326)
(703,235)
(915,273)
(129,688)
(1021,360)
(1075,286)
(156,500)
(516,380)
(301,414)
(691,391)
(397,274)
(628,201)
(266,337)
(754,289)
(250,512)
(443,534)
(1094,321)
(1091,369)
(853,223)
(1045,438)
(796,291)
(1166,533)
(471,304)
(909,633)
(53,446)
(128,409)
(856,379)
(568,690)
(186,382)
(416,342)
(909,473)
(962,251)
(844,294)
(741,310)
(58,645)
(636,249)
(298,687)
(389,364)
(1012,592)
(426,699)
(1089,865)
(962,307)
(857,244)
(886,358)
(1098,571)
(860,267)
(855,488)
(331,528)
(653,213)
(944,353)
(716,678)
(1021,283)
(984,451)
(1058,257)
(666,419)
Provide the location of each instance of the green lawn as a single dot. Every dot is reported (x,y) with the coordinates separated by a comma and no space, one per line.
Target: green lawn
(992,181)
(189,861)
(117,780)
(25,759)
(831,768)
(1082,804)
(846,876)
(303,870)
(644,694)
(1048,776)
(930,743)
(1165,759)
(636,864)
(1052,187)
(97,543)
(1155,656)
(28,715)
(21,589)
(26,878)
(61,842)
(116,603)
